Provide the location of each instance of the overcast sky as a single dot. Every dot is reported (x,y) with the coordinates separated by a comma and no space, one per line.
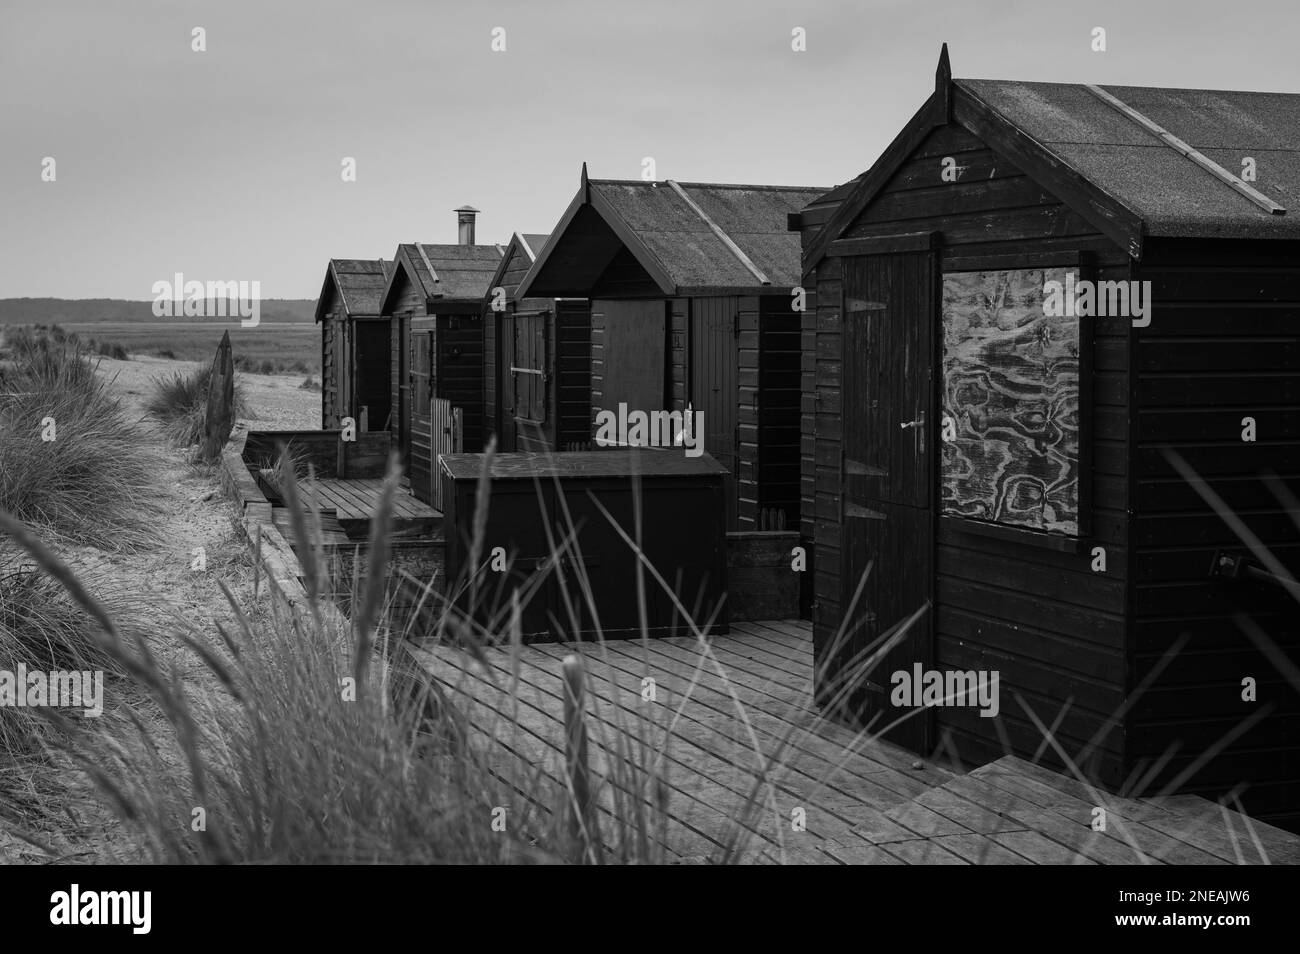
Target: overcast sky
(225,165)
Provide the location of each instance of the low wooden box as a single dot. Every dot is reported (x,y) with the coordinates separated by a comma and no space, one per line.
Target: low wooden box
(682,535)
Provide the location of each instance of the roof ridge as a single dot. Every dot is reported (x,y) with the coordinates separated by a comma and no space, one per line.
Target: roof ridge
(1162,89)
(1187,151)
(751,186)
(427,264)
(528,249)
(722,236)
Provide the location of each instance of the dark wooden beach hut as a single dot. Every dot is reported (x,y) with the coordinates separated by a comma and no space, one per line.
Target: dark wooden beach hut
(356,363)
(537,360)
(434,300)
(1019,474)
(691,306)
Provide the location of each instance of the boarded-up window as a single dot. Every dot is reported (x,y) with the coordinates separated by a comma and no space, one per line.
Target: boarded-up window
(529,368)
(1010,425)
(420,371)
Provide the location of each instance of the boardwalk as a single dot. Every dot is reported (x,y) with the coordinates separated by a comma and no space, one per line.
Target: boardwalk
(355,500)
(859,801)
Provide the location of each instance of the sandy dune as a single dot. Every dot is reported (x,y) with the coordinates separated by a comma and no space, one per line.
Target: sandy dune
(277,401)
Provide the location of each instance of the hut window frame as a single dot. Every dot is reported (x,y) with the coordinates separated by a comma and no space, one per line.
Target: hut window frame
(422,359)
(531,326)
(1081,263)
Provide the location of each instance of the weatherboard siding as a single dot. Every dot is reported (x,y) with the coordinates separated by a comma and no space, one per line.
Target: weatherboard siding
(749,413)
(776,396)
(573,370)
(331,321)
(329,370)
(1223,344)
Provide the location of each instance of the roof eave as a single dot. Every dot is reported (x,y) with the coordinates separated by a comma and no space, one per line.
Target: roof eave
(324,289)
(498,276)
(544,255)
(958,104)
(928,117)
(592,197)
(400,263)
(1117,221)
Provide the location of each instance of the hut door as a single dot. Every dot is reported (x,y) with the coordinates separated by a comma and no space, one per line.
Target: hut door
(714,362)
(371,385)
(505,358)
(446,437)
(405,374)
(887,473)
(421,442)
(528,366)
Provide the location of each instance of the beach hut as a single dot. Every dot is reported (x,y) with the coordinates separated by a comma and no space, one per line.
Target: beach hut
(537,360)
(692,308)
(356,364)
(1033,320)
(434,301)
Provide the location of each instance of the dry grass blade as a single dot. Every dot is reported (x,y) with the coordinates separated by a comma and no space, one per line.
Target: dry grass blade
(366,614)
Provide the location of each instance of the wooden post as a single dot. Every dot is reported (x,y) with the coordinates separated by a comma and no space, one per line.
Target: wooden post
(220,417)
(581,818)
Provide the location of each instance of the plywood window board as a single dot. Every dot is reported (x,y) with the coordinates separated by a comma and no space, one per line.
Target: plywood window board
(1011,401)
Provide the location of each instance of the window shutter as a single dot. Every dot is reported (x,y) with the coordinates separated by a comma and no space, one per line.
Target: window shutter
(420,371)
(538,363)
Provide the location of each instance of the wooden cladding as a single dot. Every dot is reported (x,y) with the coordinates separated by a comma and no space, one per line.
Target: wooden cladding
(885,244)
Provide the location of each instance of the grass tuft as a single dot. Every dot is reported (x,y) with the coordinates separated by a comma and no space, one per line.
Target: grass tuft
(180,400)
(72,463)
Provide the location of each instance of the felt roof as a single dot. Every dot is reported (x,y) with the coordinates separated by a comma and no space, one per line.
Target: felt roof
(1173,195)
(359,283)
(459,271)
(687,235)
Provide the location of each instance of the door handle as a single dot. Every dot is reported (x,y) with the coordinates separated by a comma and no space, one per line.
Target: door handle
(919,425)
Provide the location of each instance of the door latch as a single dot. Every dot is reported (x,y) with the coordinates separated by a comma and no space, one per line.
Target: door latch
(919,425)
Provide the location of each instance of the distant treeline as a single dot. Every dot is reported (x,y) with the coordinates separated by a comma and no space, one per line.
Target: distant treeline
(28,311)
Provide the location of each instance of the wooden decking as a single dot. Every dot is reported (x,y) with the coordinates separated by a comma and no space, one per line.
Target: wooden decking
(355,500)
(862,801)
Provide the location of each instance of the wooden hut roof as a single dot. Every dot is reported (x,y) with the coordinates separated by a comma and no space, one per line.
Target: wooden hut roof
(533,243)
(1128,157)
(445,272)
(690,237)
(527,244)
(359,282)
(1173,195)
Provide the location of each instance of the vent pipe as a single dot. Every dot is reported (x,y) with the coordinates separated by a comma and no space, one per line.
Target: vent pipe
(465,224)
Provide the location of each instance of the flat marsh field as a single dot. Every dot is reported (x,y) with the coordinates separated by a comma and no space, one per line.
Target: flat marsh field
(281,342)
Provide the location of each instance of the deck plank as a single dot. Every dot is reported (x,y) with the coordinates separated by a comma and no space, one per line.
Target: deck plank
(534,743)
(357,499)
(831,740)
(693,779)
(829,811)
(983,850)
(1073,833)
(826,764)
(1119,826)
(754,682)
(863,801)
